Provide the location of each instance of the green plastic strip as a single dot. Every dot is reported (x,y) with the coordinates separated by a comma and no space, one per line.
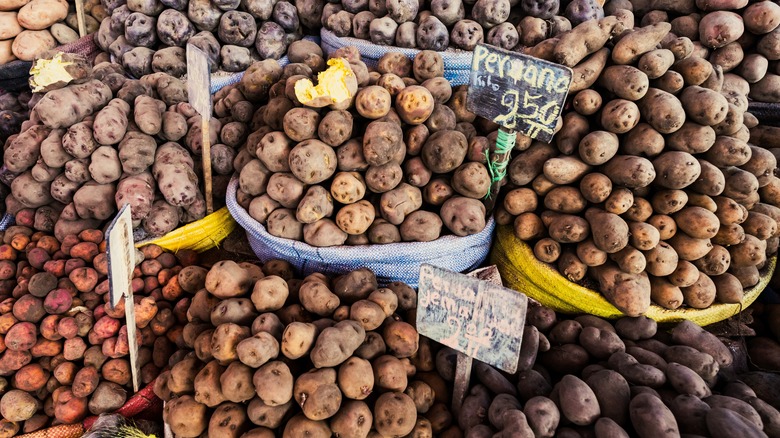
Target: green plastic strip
(505,142)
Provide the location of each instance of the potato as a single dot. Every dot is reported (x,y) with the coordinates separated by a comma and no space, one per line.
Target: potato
(677,169)
(394,414)
(628,292)
(335,344)
(317,393)
(273,383)
(704,106)
(585,39)
(185,416)
(463,216)
(610,233)
(578,402)
(662,110)
(299,425)
(711,25)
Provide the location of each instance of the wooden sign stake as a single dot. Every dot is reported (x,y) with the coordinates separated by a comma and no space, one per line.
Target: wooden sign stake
(199,94)
(474,315)
(206,139)
(519,93)
(82,22)
(120,249)
(462,380)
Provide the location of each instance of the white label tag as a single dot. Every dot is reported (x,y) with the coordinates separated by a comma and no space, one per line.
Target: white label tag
(120,249)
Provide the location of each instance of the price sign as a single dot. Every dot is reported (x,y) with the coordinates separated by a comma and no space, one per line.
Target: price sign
(480,319)
(518,92)
(474,315)
(121,263)
(199,95)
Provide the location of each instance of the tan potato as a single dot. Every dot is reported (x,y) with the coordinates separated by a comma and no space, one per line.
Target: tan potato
(635,44)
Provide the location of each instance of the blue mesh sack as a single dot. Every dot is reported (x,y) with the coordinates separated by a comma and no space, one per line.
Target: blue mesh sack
(219,80)
(457,63)
(391,262)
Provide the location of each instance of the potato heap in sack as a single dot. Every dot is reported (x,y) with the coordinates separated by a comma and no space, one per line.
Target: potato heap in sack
(91,147)
(398,158)
(652,186)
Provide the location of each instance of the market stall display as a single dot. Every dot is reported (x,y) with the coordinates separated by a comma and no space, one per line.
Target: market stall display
(655,209)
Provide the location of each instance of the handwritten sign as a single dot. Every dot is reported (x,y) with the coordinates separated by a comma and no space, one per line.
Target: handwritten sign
(120,249)
(482,320)
(516,91)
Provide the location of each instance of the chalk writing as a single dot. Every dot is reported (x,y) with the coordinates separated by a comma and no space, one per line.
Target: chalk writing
(518,91)
(477,318)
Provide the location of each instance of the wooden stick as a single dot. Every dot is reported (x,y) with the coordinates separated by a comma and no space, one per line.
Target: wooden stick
(462,378)
(498,159)
(206,154)
(80,18)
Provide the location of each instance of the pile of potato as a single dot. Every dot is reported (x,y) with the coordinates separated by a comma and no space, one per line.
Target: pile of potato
(403,161)
(651,185)
(313,357)
(461,24)
(14,110)
(119,141)
(151,35)
(741,37)
(63,349)
(28,28)
(585,376)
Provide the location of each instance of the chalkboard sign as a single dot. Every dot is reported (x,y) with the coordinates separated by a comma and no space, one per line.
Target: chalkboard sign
(480,319)
(517,91)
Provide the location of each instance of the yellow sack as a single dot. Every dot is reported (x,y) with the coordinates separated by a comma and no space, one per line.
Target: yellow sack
(521,271)
(200,235)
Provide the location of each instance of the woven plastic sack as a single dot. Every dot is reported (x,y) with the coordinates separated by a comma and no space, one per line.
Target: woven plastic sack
(766,113)
(523,272)
(457,63)
(392,262)
(7,221)
(64,431)
(14,75)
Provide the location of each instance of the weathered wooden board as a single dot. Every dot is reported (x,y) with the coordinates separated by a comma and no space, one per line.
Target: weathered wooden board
(199,81)
(199,95)
(120,250)
(517,91)
(482,320)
